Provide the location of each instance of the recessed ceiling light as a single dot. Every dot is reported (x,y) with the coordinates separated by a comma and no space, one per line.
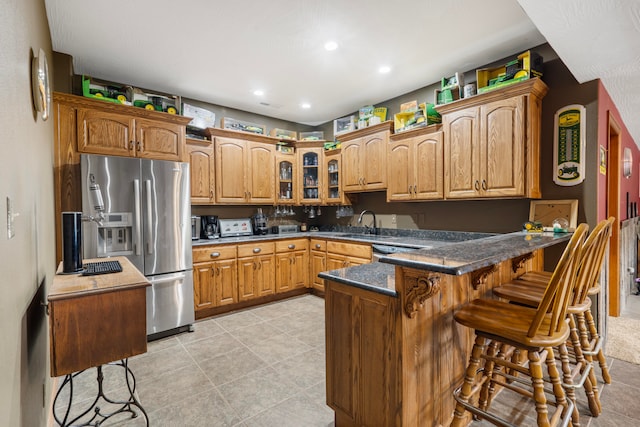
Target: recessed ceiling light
(305,105)
(331,45)
(258,92)
(384,69)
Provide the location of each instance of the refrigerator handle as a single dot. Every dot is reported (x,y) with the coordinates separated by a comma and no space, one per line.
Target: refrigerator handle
(136,213)
(147,184)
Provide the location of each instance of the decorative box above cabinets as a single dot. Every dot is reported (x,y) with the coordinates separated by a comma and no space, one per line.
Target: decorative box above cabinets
(120,130)
(244,167)
(364,158)
(492,143)
(415,165)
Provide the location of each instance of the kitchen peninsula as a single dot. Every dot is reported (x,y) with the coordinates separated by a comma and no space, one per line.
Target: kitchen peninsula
(394,351)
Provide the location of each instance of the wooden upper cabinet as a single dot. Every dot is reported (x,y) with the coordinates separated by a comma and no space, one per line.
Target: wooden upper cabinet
(200,155)
(105,133)
(364,158)
(287,179)
(492,143)
(158,140)
(231,166)
(244,168)
(415,165)
(261,173)
(462,153)
(118,130)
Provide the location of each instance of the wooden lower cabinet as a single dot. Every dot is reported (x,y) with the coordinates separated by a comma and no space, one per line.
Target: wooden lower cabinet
(317,262)
(355,382)
(292,264)
(256,271)
(215,281)
(344,254)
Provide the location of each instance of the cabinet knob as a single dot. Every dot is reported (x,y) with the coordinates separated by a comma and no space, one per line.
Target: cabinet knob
(214,254)
(477,185)
(484,184)
(291,246)
(318,245)
(256,250)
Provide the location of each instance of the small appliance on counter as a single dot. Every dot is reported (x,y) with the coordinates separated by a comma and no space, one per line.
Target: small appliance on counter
(235,227)
(210,227)
(260,223)
(195,227)
(284,228)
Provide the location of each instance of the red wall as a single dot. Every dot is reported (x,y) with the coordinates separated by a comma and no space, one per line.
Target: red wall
(606,107)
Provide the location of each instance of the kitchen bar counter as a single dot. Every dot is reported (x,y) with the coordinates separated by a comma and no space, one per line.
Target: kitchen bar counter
(394,351)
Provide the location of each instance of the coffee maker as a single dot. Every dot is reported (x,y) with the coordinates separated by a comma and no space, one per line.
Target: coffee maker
(210,227)
(260,223)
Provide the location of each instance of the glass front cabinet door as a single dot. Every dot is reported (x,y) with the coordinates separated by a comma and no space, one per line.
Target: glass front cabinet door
(286,185)
(310,161)
(333,193)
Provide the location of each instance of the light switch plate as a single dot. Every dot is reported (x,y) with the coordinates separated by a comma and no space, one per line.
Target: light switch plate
(10,229)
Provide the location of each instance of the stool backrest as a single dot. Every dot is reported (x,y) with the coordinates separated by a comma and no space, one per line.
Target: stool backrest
(592,257)
(560,288)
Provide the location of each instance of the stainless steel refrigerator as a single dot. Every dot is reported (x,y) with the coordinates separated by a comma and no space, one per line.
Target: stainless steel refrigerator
(142,211)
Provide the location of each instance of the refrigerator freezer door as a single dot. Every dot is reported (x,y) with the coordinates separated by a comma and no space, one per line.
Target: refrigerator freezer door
(119,234)
(170,301)
(166,217)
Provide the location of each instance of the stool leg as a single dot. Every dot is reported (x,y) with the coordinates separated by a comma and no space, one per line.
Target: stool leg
(488,387)
(590,384)
(469,381)
(535,371)
(602,360)
(566,370)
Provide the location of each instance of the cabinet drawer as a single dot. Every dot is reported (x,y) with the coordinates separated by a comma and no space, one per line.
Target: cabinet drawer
(291,245)
(318,245)
(254,249)
(351,249)
(213,253)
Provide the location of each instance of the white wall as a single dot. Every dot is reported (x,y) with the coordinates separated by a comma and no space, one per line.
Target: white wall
(27,261)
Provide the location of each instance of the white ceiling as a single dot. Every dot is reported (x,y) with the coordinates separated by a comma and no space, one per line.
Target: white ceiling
(597,39)
(221,51)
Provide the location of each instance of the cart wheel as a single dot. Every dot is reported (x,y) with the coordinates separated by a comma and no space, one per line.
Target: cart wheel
(172,110)
(149,107)
(121,97)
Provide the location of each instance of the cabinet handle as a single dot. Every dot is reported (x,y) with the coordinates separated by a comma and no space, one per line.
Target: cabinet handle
(131,145)
(484,184)
(138,145)
(410,189)
(211,194)
(292,246)
(218,271)
(294,259)
(255,266)
(260,265)
(477,185)
(214,254)
(256,250)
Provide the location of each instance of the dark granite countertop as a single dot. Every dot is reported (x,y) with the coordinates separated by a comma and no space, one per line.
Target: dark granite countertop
(418,239)
(377,277)
(455,258)
(464,257)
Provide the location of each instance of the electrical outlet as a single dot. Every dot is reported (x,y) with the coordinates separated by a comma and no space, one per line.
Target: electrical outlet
(394,219)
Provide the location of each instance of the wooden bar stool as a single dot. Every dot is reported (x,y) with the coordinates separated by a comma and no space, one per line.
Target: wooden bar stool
(530,285)
(536,331)
(590,332)
(530,293)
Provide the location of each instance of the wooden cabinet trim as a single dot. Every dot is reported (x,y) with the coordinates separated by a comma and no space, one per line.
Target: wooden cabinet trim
(384,126)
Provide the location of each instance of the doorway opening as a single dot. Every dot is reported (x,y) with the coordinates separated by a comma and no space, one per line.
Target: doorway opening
(613,209)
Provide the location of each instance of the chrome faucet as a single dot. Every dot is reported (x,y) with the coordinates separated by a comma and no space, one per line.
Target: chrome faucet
(372,230)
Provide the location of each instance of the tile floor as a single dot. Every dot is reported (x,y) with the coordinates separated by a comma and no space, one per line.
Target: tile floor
(265,367)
